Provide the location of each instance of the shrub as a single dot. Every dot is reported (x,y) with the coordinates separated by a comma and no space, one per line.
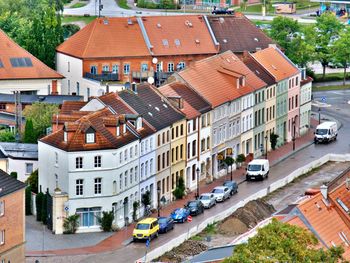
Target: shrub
(273,140)
(28,201)
(39,204)
(146,199)
(32,181)
(106,220)
(44,209)
(71,224)
(240,158)
(14,175)
(179,191)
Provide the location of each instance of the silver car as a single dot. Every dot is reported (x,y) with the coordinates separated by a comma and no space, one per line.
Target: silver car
(208,200)
(221,193)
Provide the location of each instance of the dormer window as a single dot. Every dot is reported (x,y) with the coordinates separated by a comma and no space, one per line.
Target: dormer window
(124,128)
(118,131)
(138,123)
(90,135)
(65,136)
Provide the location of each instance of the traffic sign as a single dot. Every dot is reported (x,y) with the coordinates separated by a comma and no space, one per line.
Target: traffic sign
(323,99)
(148,242)
(189,219)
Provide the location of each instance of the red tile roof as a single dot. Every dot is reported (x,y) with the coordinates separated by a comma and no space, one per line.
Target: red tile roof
(276,63)
(215,78)
(179,35)
(69,106)
(35,70)
(105,38)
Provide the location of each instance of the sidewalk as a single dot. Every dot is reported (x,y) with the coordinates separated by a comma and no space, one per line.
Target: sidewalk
(123,237)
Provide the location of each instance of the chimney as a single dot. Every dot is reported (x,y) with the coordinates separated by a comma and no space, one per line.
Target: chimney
(347,183)
(324,191)
(54,90)
(177,101)
(134,87)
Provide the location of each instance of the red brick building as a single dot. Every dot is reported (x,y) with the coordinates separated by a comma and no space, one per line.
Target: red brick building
(12,219)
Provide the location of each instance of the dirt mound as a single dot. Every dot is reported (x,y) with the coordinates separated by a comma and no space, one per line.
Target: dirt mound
(246,217)
(180,253)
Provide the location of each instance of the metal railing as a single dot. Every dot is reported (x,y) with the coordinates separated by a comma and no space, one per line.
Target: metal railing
(103,76)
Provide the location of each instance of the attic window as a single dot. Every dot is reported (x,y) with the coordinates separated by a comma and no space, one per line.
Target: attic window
(90,137)
(118,131)
(21,62)
(165,42)
(1,65)
(256,39)
(159,25)
(105,21)
(150,114)
(177,42)
(224,40)
(165,106)
(157,108)
(197,41)
(340,202)
(65,136)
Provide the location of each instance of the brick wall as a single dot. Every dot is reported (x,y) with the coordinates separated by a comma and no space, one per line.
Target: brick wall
(13,224)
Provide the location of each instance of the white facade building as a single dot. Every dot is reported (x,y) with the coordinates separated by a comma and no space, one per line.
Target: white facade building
(247,121)
(305,102)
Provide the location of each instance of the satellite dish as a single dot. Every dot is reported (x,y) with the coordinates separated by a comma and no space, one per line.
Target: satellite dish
(154,60)
(150,80)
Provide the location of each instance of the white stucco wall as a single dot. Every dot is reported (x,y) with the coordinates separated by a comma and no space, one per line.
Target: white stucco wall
(19,166)
(37,86)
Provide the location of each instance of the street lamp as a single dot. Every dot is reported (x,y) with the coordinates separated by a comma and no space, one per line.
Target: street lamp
(266,138)
(158,202)
(156,74)
(293,139)
(197,171)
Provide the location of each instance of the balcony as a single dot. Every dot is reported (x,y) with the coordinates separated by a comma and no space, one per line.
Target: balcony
(144,74)
(162,76)
(102,77)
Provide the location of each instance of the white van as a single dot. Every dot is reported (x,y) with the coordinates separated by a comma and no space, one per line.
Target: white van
(326,132)
(258,169)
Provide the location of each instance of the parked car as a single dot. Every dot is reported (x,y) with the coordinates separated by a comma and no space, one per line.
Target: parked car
(147,228)
(258,169)
(196,207)
(222,11)
(221,193)
(165,224)
(232,185)
(208,200)
(180,215)
(326,132)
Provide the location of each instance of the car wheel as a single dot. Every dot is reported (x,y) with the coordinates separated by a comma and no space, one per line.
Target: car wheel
(157,234)
(166,230)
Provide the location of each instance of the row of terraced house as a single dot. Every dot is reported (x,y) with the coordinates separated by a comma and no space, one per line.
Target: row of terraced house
(166,97)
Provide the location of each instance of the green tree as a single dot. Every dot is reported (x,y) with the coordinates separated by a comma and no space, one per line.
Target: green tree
(146,199)
(240,159)
(327,27)
(282,28)
(28,201)
(135,206)
(179,191)
(32,181)
(14,175)
(39,204)
(341,51)
(41,115)
(7,136)
(281,242)
(106,221)
(273,140)
(29,134)
(44,209)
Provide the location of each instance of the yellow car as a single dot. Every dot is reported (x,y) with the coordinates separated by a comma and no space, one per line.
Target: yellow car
(146,229)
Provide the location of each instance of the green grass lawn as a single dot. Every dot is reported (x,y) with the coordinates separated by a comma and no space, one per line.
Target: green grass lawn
(70,19)
(78,5)
(123,4)
(331,77)
(339,87)
(257,8)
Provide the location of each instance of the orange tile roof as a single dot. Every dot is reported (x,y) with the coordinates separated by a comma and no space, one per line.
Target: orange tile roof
(276,63)
(10,50)
(107,37)
(215,78)
(179,35)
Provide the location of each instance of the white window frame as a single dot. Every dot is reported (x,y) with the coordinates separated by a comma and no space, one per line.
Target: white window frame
(2,237)
(98,161)
(98,186)
(27,165)
(2,208)
(90,137)
(79,187)
(79,162)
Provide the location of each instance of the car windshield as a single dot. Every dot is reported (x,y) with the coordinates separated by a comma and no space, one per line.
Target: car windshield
(162,220)
(217,191)
(204,197)
(192,204)
(321,131)
(227,184)
(254,167)
(178,211)
(142,226)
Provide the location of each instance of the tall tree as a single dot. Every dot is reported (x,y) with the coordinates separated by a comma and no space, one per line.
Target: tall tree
(41,115)
(341,50)
(281,242)
(327,27)
(29,133)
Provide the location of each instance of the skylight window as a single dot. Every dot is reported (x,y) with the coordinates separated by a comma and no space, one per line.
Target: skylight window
(1,65)
(90,137)
(165,106)
(256,39)
(224,40)
(165,42)
(159,25)
(21,62)
(177,42)
(340,202)
(157,108)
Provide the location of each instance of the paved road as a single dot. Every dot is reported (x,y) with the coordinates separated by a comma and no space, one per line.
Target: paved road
(339,109)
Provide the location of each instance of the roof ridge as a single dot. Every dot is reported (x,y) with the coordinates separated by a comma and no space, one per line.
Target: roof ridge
(90,36)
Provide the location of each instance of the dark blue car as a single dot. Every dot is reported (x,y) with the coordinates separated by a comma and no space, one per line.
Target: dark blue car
(180,215)
(165,224)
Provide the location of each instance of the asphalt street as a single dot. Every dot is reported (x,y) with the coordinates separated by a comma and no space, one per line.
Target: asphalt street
(338,107)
